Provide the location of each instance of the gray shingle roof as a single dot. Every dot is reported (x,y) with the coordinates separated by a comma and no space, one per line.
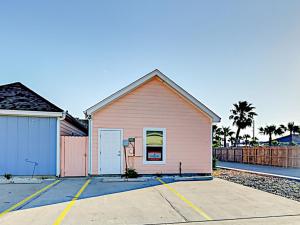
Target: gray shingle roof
(16,96)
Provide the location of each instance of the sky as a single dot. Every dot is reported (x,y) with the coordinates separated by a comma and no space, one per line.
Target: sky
(75,53)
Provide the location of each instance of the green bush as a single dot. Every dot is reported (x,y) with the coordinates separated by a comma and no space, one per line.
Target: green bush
(214,163)
(8,176)
(131,173)
(293,143)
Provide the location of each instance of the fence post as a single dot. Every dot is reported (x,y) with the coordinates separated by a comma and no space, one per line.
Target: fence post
(271,155)
(255,156)
(286,157)
(234,155)
(227,155)
(242,155)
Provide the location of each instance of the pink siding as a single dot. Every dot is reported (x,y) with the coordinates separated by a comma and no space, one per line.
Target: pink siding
(157,105)
(73,159)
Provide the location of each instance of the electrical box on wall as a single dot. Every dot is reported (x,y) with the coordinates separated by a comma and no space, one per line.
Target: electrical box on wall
(131,139)
(126,143)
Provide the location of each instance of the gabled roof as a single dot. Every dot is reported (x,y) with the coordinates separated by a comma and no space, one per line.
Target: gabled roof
(16,96)
(144,79)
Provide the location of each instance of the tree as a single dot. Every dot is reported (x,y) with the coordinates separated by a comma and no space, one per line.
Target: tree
(292,128)
(242,115)
(246,138)
(216,136)
(226,132)
(231,140)
(254,141)
(297,130)
(270,131)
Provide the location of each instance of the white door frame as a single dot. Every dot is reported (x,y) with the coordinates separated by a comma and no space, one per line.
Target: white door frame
(121,149)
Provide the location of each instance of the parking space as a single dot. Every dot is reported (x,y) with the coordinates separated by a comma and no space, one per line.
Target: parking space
(99,188)
(64,191)
(11,194)
(151,202)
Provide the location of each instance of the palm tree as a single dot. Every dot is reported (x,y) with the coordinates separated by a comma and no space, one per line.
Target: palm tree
(297,130)
(270,131)
(216,136)
(242,116)
(246,138)
(231,140)
(226,132)
(254,141)
(292,128)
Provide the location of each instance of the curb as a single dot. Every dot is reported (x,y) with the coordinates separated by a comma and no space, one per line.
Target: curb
(261,173)
(205,178)
(144,179)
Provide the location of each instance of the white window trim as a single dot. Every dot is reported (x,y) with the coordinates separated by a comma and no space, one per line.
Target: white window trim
(164,146)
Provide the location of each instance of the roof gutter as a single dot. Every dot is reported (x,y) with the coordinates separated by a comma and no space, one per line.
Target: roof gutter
(5,112)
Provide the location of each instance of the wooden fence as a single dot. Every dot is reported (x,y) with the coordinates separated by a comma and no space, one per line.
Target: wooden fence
(283,156)
(74,156)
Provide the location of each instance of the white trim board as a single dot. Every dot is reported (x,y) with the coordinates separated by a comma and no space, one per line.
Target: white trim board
(58,147)
(90,157)
(141,81)
(6,112)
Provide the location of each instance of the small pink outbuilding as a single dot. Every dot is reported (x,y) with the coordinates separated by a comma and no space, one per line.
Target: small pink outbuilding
(153,126)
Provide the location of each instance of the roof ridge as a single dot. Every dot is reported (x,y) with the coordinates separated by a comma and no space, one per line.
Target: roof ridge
(13,83)
(141,81)
(24,87)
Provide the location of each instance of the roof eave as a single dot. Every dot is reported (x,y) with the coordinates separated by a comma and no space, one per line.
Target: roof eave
(6,112)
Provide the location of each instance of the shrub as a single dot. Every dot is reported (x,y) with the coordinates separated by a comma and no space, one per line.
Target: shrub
(275,143)
(159,174)
(214,163)
(8,176)
(131,173)
(293,143)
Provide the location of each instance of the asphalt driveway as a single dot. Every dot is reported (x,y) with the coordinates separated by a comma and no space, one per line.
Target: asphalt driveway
(82,201)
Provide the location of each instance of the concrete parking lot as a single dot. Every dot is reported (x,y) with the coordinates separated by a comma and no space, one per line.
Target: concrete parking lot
(83,202)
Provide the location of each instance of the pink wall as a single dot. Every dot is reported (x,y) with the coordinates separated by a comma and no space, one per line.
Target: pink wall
(157,105)
(73,156)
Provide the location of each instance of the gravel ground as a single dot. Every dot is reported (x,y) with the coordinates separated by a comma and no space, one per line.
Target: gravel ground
(20,180)
(278,186)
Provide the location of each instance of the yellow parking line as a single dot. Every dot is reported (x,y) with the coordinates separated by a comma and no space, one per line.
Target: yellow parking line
(196,208)
(63,214)
(28,198)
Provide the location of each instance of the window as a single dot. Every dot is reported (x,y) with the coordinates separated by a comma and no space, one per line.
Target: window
(154,145)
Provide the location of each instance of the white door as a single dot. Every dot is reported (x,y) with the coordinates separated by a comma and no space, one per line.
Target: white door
(110,151)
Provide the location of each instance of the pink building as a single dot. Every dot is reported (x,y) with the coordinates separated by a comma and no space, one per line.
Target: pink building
(166,127)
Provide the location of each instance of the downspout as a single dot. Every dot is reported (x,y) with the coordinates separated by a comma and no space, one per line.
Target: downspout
(62,117)
(90,133)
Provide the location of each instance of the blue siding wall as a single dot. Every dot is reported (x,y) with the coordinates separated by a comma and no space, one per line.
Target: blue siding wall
(24,139)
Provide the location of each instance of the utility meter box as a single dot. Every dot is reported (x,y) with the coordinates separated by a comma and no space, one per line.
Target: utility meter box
(131,139)
(125,143)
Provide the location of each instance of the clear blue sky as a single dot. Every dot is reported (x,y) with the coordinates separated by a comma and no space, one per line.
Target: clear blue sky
(75,53)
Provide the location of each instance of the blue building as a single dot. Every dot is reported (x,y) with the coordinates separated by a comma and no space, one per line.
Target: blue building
(295,138)
(30,129)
